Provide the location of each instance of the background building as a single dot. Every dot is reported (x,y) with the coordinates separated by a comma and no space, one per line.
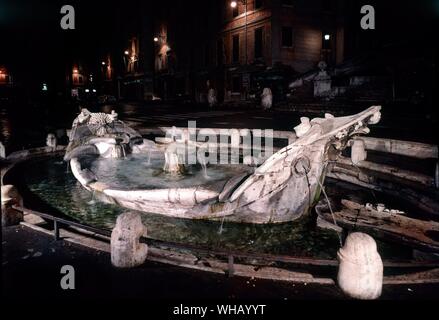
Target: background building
(238,50)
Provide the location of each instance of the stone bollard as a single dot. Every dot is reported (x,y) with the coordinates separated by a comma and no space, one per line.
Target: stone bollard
(360,273)
(266,98)
(126,250)
(51,141)
(358,151)
(211,97)
(322,82)
(2,150)
(10,197)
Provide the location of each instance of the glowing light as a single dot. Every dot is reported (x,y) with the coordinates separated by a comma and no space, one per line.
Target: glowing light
(103,63)
(126,52)
(87,90)
(94,90)
(327,37)
(75,70)
(156,39)
(233,4)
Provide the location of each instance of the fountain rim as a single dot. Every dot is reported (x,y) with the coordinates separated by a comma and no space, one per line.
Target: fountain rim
(246,270)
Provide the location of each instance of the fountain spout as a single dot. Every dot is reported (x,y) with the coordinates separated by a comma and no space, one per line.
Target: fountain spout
(173,165)
(118,151)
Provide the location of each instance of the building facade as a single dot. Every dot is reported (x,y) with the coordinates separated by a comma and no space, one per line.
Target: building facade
(240,49)
(6,78)
(178,50)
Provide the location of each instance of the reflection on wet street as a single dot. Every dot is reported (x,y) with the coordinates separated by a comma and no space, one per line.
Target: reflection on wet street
(22,128)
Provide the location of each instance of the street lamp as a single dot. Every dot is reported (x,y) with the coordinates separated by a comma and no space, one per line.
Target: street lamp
(233,4)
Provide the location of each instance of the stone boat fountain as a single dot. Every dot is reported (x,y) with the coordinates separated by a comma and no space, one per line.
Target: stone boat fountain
(283,188)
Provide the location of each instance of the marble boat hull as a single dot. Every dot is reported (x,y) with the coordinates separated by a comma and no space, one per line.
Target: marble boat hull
(283,188)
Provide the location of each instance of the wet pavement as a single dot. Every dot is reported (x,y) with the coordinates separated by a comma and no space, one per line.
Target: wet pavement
(24,128)
(31,264)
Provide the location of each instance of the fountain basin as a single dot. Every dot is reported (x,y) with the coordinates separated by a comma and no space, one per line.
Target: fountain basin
(284,188)
(51,190)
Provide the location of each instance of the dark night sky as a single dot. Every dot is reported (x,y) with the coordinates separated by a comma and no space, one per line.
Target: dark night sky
(33,46)
(34,43)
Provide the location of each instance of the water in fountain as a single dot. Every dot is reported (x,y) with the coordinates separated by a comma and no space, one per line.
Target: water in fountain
(133,173)
(204,166)
(173,134)
(221,229)
(118,152)
(124,152)
(172,163)
(63,193)
(148,162)
(92,201)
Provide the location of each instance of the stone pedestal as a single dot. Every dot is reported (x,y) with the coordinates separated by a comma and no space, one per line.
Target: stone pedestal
(126,250)
(211,97)
(322,85)
(322,82)
(51,141)
(9,198)
(266,98)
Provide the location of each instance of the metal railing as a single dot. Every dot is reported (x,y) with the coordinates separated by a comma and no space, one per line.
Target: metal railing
(57,221)
(229,255)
